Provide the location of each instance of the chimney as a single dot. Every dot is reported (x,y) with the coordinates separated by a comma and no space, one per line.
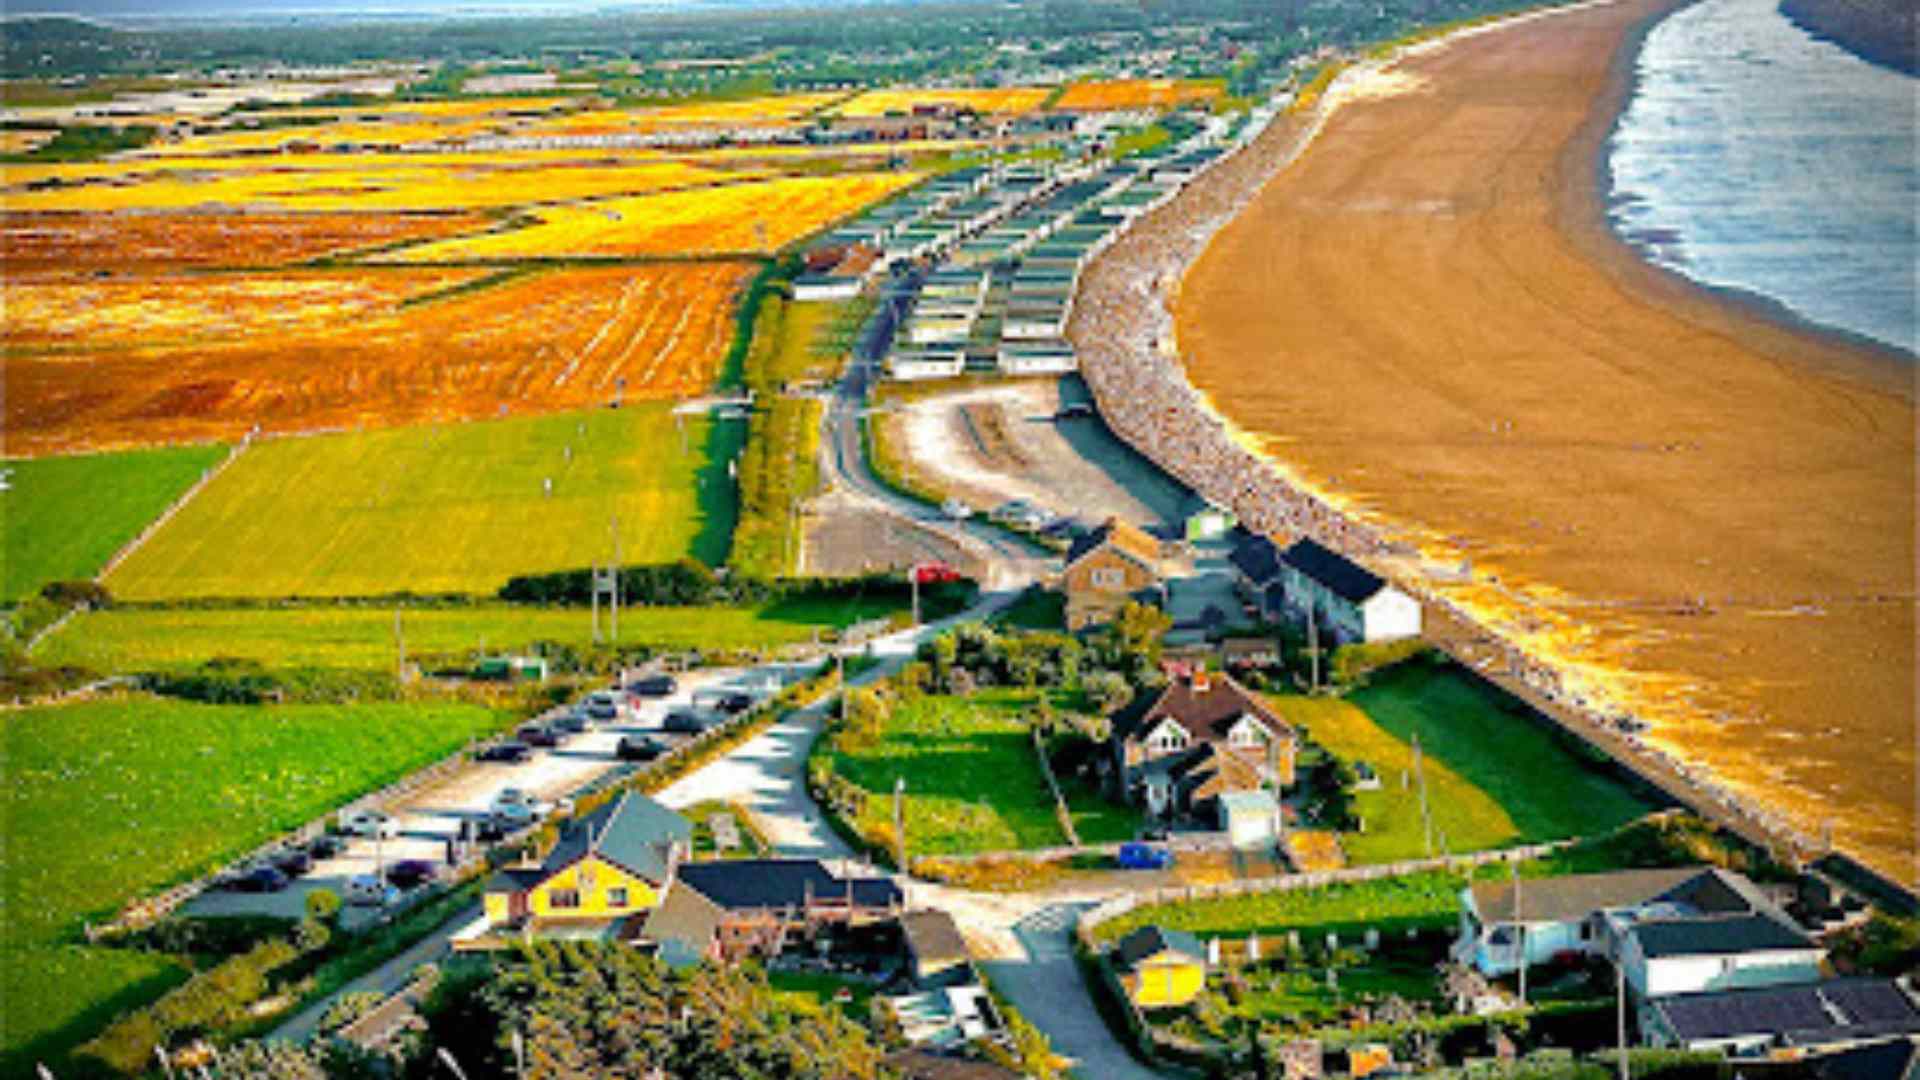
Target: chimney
(1201,681)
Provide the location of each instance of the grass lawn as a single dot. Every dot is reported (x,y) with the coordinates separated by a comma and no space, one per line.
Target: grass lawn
(973,783)
(62,518)
(1415,900)
(1294,994)
(1494,776)
(753,845)
(131,639)
(58,996)
(107,800)
(458,508)
(807,988)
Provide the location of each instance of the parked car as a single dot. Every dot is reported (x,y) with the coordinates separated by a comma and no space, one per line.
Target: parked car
(410,873)
(653,686)
(685,721)
(639,748)
(513,752)
(1138,856)
(489,828)
(293,862)
(573,721)
(370,823)
(364,890)
(324,846)
(259,879)
(734,702)
(517,807)
(537,734)
(956,509)
(603,712)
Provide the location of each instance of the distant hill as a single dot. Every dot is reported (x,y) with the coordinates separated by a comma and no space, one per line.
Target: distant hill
(57,45)
(1881,31)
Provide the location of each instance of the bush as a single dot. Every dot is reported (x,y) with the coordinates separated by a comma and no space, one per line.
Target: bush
(349,1007)
(213,1000)
(69,594)
(324,905)
(1351,664)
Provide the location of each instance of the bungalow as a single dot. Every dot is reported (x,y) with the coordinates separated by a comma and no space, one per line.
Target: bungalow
(1349,602)
(1762,1020)
(1108,567)
(604,869)
(1672,931)
(1177,751)
(729,909)
(1160,968)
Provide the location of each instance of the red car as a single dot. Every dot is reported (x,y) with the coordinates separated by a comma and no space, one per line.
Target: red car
(934,573)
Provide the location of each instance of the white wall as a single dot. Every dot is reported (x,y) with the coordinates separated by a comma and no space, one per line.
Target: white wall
(1390,615)
(1692,974)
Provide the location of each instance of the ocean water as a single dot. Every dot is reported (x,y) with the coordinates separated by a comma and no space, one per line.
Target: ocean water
(1754,156)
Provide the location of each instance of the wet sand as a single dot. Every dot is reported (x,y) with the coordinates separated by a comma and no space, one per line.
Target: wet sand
(1700,511)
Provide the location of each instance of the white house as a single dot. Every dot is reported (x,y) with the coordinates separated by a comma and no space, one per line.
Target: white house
(808,287)
(1672,931)
(1349,602)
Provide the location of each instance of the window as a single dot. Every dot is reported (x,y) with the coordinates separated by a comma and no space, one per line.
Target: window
(560,899)
(1244,734)
(617,896)
(1168,738)
(1109,579)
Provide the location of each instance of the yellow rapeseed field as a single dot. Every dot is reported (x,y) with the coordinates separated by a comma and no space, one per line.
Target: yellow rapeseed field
(288,183)
(771,110)
(1139,93)
(998,100)
(754,217)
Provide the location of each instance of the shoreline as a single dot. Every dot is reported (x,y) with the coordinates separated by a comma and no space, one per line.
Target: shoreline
(1582,215)
(1556,678)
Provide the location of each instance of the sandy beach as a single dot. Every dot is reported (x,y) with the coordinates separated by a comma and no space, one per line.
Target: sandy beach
(1700,512)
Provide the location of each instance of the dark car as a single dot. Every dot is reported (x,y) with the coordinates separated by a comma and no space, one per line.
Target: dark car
(259,879)
(573,722)
(292,862)
(685,721)
(644,748)
(324,846)
(409,873)
(512,753)
(734,703)
(488,828)
(653,686)
(603,711)
(537,735)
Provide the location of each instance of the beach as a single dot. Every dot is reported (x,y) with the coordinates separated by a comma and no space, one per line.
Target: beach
(1698,511)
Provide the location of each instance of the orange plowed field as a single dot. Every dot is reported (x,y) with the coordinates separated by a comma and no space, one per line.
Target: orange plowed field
(176,357)
(37,244)
(1138,94)
(999,100)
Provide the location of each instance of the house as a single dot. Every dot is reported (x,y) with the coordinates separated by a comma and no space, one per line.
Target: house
(1672,931)
(1762,1020)
(936,952)
(1160,968)
(733,908)
(602,870)
(1257,575)
(1108,567)
(1347,602)
(1176,751)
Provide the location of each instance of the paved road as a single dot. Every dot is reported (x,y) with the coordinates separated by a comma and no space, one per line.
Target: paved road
(1049,991)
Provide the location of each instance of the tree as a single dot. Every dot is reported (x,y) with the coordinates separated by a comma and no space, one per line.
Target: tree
(1141,630)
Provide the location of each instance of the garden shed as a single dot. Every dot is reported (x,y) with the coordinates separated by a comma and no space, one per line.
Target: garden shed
(1251,819)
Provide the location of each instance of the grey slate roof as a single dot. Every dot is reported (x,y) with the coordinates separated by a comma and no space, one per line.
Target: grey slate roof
(683,926)
(1718,936)
(1257,557)
(1152,940)
(741,884)
(1341,575)
(1806,1015)
(933,936)
(634,831)
(1564,899)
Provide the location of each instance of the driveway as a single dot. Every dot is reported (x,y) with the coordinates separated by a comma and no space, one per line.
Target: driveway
(1048,990)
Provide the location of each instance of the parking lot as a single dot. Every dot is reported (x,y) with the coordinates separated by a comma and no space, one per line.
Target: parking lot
(429,820)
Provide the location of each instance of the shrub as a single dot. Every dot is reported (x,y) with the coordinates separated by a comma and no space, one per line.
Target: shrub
(215,999)
(349,1007)
(324,905)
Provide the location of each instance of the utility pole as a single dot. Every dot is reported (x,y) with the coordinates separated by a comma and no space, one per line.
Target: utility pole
(913,579)
(593,586)
(1420,780)
(1521,923)
(1313,656)
(900,822)
(613,523)
(1620,1005)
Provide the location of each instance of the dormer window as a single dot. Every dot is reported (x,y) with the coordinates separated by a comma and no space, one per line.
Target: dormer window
(1167,737)
(1244,734)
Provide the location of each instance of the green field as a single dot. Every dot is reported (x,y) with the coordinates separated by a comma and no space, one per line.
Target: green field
(452,509)
(973,783)
(1494,777)
(1415,900)
(62,518)
(108,800)
(141,639)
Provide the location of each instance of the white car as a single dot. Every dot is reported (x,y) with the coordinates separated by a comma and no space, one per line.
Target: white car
(956,509)
(366,890)
(370,823)
(517,807)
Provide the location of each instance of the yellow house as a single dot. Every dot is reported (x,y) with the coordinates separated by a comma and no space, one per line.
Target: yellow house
(1160,968)
(614,863)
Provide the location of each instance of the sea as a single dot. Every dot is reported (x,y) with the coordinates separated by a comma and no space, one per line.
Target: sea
(1753,156)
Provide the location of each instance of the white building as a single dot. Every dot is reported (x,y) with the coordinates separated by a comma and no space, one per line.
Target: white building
(1349,602)
(1038,358)
(931,363)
